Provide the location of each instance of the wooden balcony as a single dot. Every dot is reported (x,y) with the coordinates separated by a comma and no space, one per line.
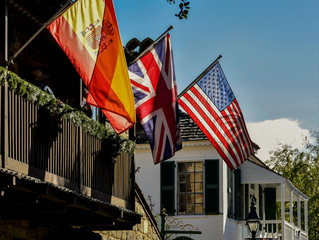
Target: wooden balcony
(63,157)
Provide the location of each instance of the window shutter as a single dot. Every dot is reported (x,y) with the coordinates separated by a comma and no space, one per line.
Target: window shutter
(270,203)
(247,198)
(238,195)
(212,186)
(270,207)
(261,203)
(230,192)
(167,187)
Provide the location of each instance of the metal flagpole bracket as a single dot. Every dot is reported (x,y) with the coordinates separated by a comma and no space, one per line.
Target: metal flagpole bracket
(68,4)
(151,46)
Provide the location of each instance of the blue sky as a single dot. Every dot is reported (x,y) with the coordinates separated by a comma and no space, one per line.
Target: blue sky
(270,50)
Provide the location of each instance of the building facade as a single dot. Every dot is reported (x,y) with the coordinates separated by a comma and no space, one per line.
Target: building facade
(196,187)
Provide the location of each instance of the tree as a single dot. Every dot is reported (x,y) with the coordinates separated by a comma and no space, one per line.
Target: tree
(183,6)
(302,168)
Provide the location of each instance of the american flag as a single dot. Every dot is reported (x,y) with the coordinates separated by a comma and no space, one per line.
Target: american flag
(155,93)
(211,103)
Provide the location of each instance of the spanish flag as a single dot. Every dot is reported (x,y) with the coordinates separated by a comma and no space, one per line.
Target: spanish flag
(89,35)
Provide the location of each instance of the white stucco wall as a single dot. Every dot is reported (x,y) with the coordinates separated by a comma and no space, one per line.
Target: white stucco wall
(148,178)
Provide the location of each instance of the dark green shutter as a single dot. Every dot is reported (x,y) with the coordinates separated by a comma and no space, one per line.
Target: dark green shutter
(238,196)
(261,204)
(212,186)
(270,203)
(270,207)
(247,198)
(230,193)
(167,187)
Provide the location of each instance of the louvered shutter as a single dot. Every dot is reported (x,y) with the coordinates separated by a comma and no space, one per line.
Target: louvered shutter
(238,195)
(270,207)
(211,187)
(167,187)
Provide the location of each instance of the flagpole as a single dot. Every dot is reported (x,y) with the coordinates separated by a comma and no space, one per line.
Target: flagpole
(6,34)
(156,41)
(68,4)
(201,75)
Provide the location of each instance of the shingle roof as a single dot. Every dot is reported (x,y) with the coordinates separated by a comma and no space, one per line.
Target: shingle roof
(189,129)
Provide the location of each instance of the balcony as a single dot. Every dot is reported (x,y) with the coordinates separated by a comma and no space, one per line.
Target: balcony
(54,169)
(282,208)
(272,229)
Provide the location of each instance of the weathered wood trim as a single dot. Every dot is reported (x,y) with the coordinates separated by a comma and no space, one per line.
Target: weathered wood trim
(63,182)
(105,197)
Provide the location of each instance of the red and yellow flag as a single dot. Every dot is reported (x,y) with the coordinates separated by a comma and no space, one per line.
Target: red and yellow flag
(89,35)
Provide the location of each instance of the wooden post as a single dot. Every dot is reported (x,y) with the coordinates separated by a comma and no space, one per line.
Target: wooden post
(291,207)
(4,124)
(306,216)
(132,136)
(283,210)
(80,160)
(299,213)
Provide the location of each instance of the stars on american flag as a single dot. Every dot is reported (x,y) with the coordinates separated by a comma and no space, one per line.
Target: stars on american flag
(217,88)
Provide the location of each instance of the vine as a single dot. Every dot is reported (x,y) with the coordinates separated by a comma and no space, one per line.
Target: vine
(64,111)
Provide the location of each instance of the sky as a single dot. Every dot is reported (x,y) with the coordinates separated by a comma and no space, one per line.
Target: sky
(270,57)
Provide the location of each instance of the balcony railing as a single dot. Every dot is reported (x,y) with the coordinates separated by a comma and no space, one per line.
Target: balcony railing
(294,233)
(272,229)
(33,143)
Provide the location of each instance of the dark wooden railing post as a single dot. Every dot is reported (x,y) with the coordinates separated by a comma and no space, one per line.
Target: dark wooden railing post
(80,161)
(132,135)
(4,123)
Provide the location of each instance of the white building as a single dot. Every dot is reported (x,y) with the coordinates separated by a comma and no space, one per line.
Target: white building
(196,187)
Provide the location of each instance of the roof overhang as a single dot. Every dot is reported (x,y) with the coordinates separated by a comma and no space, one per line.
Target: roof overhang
(253,173)
(44,204)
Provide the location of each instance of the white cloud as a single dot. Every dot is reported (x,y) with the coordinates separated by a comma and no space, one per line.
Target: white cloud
(269,133)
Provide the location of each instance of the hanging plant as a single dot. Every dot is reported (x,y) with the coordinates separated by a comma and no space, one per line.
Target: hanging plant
(62,111)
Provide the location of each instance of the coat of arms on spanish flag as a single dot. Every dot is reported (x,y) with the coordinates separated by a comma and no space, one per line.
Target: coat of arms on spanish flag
(89,35)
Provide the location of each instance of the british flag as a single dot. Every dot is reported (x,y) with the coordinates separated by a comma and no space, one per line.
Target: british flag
(155,93)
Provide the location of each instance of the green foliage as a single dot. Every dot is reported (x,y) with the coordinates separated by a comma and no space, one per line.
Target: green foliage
(184,8)
(302,168)
(64,111)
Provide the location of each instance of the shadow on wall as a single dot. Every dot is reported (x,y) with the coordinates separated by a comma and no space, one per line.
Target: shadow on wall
(233,230)
(68,233)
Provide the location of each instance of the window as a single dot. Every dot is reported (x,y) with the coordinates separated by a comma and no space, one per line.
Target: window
(190,188)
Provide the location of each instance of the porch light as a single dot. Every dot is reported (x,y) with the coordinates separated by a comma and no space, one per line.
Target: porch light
(252,219)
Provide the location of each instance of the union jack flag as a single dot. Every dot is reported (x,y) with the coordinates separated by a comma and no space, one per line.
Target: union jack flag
(155,93)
